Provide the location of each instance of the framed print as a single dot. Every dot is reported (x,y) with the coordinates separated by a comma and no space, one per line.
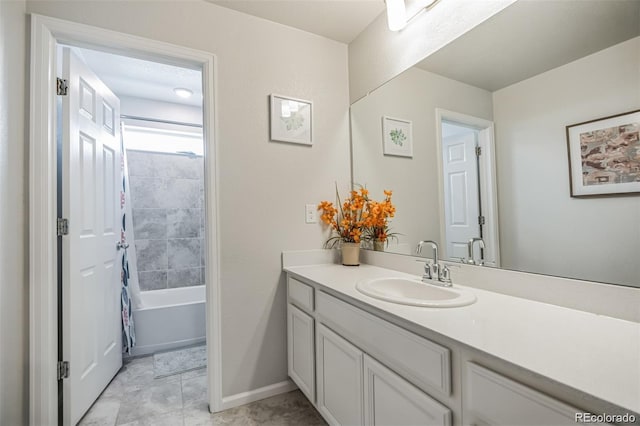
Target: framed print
(291,120)
(396,137)
(604,155)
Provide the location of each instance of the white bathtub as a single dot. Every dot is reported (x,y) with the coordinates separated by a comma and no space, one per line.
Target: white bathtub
(169,319)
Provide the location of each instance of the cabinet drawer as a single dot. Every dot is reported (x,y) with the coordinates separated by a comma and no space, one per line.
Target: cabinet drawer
(497,400)
(422,362)
(300,294)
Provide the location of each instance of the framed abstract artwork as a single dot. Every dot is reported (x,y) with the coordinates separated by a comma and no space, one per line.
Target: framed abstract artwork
(396,137)
(291,120)
(604,155)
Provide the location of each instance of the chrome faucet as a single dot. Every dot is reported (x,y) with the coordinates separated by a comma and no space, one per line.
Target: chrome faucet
(472,259)
(435,271)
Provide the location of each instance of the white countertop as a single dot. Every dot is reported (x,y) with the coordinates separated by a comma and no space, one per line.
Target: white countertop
(595,354)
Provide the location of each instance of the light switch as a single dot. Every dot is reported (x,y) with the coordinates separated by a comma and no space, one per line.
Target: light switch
(311,213)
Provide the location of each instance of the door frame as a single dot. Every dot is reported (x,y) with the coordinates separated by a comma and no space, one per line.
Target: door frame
(46,32)
(487,174)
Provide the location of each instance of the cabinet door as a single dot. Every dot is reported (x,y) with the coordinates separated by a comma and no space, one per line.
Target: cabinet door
(340,387)
(493,399)
(391,400)
(300,350)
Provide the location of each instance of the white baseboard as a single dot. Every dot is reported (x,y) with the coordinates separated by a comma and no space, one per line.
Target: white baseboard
(257,394)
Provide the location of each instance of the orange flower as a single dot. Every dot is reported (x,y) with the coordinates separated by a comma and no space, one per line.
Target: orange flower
(377,219)
(348,223)
(358,217)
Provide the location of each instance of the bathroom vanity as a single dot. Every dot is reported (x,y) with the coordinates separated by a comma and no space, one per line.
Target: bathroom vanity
(502,360)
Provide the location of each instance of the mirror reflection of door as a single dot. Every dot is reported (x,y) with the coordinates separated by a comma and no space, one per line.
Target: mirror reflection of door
(468,196)
(462,208)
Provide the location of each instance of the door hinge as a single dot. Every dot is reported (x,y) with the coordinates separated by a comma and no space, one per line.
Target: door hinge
(63,370)
(62,226)
(61,87)
(478,151)
(481,220)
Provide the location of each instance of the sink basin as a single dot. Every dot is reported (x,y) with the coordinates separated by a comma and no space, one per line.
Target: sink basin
(407,291)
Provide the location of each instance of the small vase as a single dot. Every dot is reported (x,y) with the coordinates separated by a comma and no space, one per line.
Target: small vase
(350,254)
(378,245)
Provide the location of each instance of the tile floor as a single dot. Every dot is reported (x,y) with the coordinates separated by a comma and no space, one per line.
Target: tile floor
(135,398)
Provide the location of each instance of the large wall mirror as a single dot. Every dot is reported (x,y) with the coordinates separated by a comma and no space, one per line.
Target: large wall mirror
(484,147)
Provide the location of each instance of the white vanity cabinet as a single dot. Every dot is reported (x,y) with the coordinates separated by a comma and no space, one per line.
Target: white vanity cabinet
(355,389)
(348,385)
(360,369)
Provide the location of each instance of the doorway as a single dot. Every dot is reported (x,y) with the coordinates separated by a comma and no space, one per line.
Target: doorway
(47,35)
(132,193)
(468,191)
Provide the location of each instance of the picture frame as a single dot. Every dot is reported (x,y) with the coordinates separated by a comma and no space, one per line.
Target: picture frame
(604,156)
(397,138)
(291,120)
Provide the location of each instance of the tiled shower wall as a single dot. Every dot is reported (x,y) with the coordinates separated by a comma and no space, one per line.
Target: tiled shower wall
(167,197)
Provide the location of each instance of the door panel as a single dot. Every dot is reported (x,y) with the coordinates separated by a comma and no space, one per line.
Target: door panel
(91,174)
(301,355)
(392,401)
(340,395)
(461,192)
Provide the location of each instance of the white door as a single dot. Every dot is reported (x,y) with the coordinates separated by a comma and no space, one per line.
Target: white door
(461,193)
(91,180)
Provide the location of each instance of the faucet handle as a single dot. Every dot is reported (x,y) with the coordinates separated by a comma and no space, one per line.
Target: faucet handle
(445,275)
(435,271)
(428,273)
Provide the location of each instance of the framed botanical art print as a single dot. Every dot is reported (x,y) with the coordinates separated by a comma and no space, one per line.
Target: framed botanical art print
(291,120)
(604,155)
(396,137)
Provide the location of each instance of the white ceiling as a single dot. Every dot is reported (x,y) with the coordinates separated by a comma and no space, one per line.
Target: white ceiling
(127,76)
(532,36)
(340,20)
(527,38)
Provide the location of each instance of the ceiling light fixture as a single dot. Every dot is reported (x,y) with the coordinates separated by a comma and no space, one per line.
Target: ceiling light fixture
(182,92)
(397,17)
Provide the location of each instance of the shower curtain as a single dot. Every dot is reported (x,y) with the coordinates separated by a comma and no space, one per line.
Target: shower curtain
(130,290)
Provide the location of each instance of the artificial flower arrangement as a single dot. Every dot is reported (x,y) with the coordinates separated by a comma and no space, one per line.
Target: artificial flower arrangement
(347,222)
(378,229)
(358,219)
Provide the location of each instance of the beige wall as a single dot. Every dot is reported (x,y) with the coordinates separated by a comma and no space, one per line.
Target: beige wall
(592,238)
(378,54)
(263,185)
(158,110)
(13,211)
(414,95)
